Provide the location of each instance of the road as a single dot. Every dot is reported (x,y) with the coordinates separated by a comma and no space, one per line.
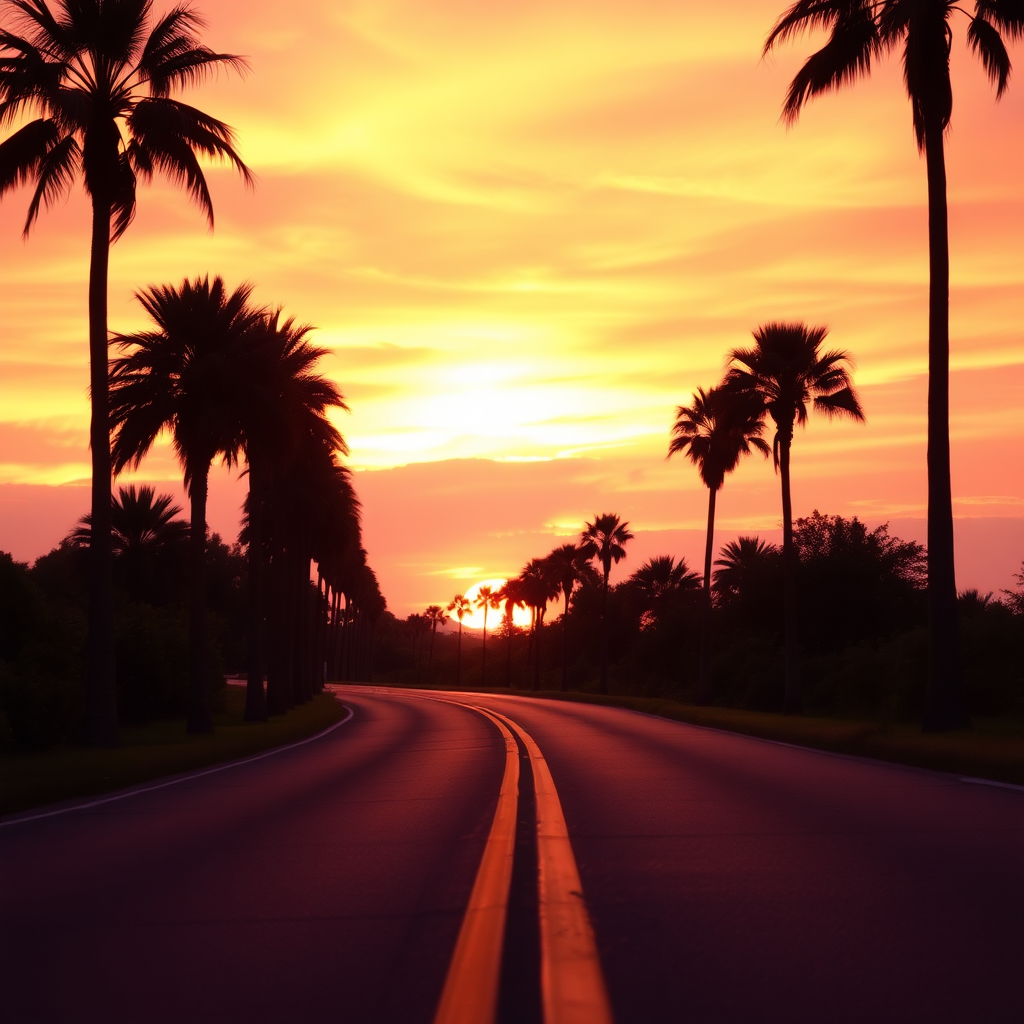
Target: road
(726,879)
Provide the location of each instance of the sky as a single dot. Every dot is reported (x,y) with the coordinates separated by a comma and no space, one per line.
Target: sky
(527,232)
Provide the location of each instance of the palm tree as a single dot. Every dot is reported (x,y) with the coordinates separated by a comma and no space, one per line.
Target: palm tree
(658,580)
(738,559)
(715,432)
(100,75)
(182,377)
(538,588)
(284,425)
(787,369)
(435,615)
(605,540)
(512,596)
(461,606)
(567,565)
(861,31)
(146,534)
(486,598)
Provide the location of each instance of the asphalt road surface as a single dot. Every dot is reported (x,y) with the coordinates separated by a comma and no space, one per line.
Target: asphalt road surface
(726,878)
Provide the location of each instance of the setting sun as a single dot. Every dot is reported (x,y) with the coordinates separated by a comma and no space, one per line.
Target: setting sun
(475,618)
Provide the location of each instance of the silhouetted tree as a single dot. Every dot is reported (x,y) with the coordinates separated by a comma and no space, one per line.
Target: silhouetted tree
(537,588)
(861,31)
(486,598)
(435,615)
(605,540)
(180,377)
(567,565)
(100,75)
(512,596)
(657,582)
(715,432)
(459,604)
(147,538)
(788,370)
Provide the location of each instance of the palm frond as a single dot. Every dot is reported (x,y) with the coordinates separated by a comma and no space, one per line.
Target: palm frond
(54,177)
(844,58)
(23,152)
(1006,15)
(841,403)
(986,42)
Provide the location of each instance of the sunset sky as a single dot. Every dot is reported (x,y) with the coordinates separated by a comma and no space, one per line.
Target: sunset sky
(527,231)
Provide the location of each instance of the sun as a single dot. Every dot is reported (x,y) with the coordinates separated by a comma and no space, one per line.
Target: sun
(475,618)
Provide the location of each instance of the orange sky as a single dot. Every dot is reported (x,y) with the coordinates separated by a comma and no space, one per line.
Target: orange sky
(528,231)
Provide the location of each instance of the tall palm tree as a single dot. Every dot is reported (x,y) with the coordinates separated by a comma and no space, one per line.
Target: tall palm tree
(787,370)
(861,31)
(435,615)
(512,596)
(715,432)
(460,605)
(605,541)
(538,588)
(567,565)
(99,74)
(283,412)
(181,377)
(486,598)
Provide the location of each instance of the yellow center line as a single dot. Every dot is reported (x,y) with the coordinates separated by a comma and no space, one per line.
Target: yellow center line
(470,994)
(573,989)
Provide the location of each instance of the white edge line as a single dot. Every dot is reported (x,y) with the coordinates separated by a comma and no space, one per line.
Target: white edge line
(181,778)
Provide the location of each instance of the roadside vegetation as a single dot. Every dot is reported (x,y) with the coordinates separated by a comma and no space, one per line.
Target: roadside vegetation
(152,750)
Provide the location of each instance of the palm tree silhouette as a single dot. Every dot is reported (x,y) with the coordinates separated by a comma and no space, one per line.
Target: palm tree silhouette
(738,559)
(787,369)
(859,32)
(567,565)
(461,606)
(146,534)
(435,615)
(486,598)
(658,580)
(605,540)
(537,588)
(715,432)
(283,405)
(512,596)
(100,76)
(181,377)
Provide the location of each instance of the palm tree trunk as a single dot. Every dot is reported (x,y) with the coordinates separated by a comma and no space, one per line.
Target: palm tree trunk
(536,649)
(255,695)
(791,701)
(483,653)
(458,660)
(430,659)
(704,689)
(565,642)
(604,634)
(277,649)
(946,703)
(100,724)
(508,654)
(198,720)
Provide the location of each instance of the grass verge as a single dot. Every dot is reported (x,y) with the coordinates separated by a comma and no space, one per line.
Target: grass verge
(993,749)
(154,750)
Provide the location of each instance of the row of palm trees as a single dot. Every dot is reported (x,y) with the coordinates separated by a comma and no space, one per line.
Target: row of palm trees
(230,379)
(784,375)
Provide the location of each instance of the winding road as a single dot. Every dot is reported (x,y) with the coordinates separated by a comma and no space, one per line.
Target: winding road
(720,878)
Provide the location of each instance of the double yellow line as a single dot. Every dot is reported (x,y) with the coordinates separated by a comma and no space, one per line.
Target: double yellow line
(572,985)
